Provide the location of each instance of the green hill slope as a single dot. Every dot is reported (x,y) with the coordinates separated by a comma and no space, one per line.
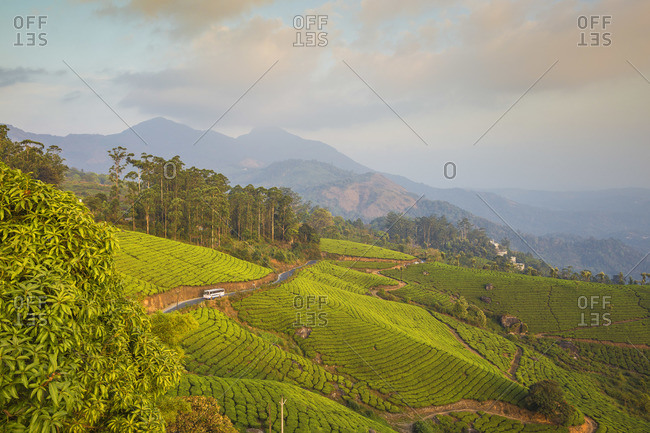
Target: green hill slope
(246,402)
(320,340)
(568,308)
(355,249)
(401,352)
(151,264)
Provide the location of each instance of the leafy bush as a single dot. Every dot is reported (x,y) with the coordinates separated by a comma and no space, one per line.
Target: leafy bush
(422,427)
(77,354)
(203,417)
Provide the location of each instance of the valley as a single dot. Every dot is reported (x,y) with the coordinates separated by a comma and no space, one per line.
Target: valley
(405,324)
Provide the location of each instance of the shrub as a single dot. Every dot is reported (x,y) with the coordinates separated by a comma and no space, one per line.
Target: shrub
(73,345)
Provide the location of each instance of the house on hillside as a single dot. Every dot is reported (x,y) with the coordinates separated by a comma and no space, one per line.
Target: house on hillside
(517,266)
(500,252)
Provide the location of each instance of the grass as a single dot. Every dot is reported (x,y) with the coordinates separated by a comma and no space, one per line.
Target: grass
(355,249)
(152,264)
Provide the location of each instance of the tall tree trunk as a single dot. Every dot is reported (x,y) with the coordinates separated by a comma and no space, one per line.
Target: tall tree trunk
(272,223)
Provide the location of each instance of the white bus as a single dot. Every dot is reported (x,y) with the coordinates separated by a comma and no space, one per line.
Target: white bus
(213,293)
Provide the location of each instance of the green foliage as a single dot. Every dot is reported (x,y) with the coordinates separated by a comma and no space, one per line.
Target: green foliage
(171,328)
(432,232)
(422,427)
(355,249)
(29,157)
(547,398)
(170,407)
(546,305)
(203,416)
(366,338)
(156,265)
(77,355)
(246,402)
(460,308)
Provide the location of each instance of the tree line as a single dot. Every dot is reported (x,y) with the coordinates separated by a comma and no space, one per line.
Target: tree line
(167,199)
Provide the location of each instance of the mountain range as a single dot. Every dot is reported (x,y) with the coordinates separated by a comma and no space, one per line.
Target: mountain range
(599,230)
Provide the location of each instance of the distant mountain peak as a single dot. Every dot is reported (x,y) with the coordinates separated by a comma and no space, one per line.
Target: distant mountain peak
(160,122)
(267,131)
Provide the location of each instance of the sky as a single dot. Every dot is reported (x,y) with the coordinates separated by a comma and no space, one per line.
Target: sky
(546,95)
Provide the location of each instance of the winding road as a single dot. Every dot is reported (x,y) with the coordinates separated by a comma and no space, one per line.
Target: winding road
(282,277)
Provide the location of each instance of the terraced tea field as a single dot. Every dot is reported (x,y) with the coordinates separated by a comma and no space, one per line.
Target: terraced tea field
(222,347)
(546,305)
(355,249)
(363,264)
(581,392)
(246,403)
(487,423)
(400,351)
(153,265)
(320,339)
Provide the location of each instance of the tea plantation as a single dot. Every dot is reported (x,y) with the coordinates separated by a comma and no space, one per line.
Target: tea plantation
(152,264)
(355,249)
(561,307)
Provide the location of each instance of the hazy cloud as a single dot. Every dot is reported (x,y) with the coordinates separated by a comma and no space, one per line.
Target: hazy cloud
(9,77)
(188,16)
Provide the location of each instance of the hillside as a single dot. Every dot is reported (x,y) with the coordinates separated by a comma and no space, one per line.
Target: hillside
(546,305)
(150,264)
(346,345)
(355,249)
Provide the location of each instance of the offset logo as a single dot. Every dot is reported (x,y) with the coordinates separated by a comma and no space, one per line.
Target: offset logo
(596,308)
(309,30)
(29,310)
(29,30)
(307,318)
(594,31)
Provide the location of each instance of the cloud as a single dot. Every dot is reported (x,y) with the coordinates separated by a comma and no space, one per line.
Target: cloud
(449,68)
(188,17)
(492,54)
(9,77)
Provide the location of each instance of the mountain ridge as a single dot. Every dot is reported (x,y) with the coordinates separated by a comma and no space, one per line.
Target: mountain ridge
(271,156)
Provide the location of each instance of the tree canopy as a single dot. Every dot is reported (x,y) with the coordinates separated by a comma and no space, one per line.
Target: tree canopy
(32,157)
(76,354)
